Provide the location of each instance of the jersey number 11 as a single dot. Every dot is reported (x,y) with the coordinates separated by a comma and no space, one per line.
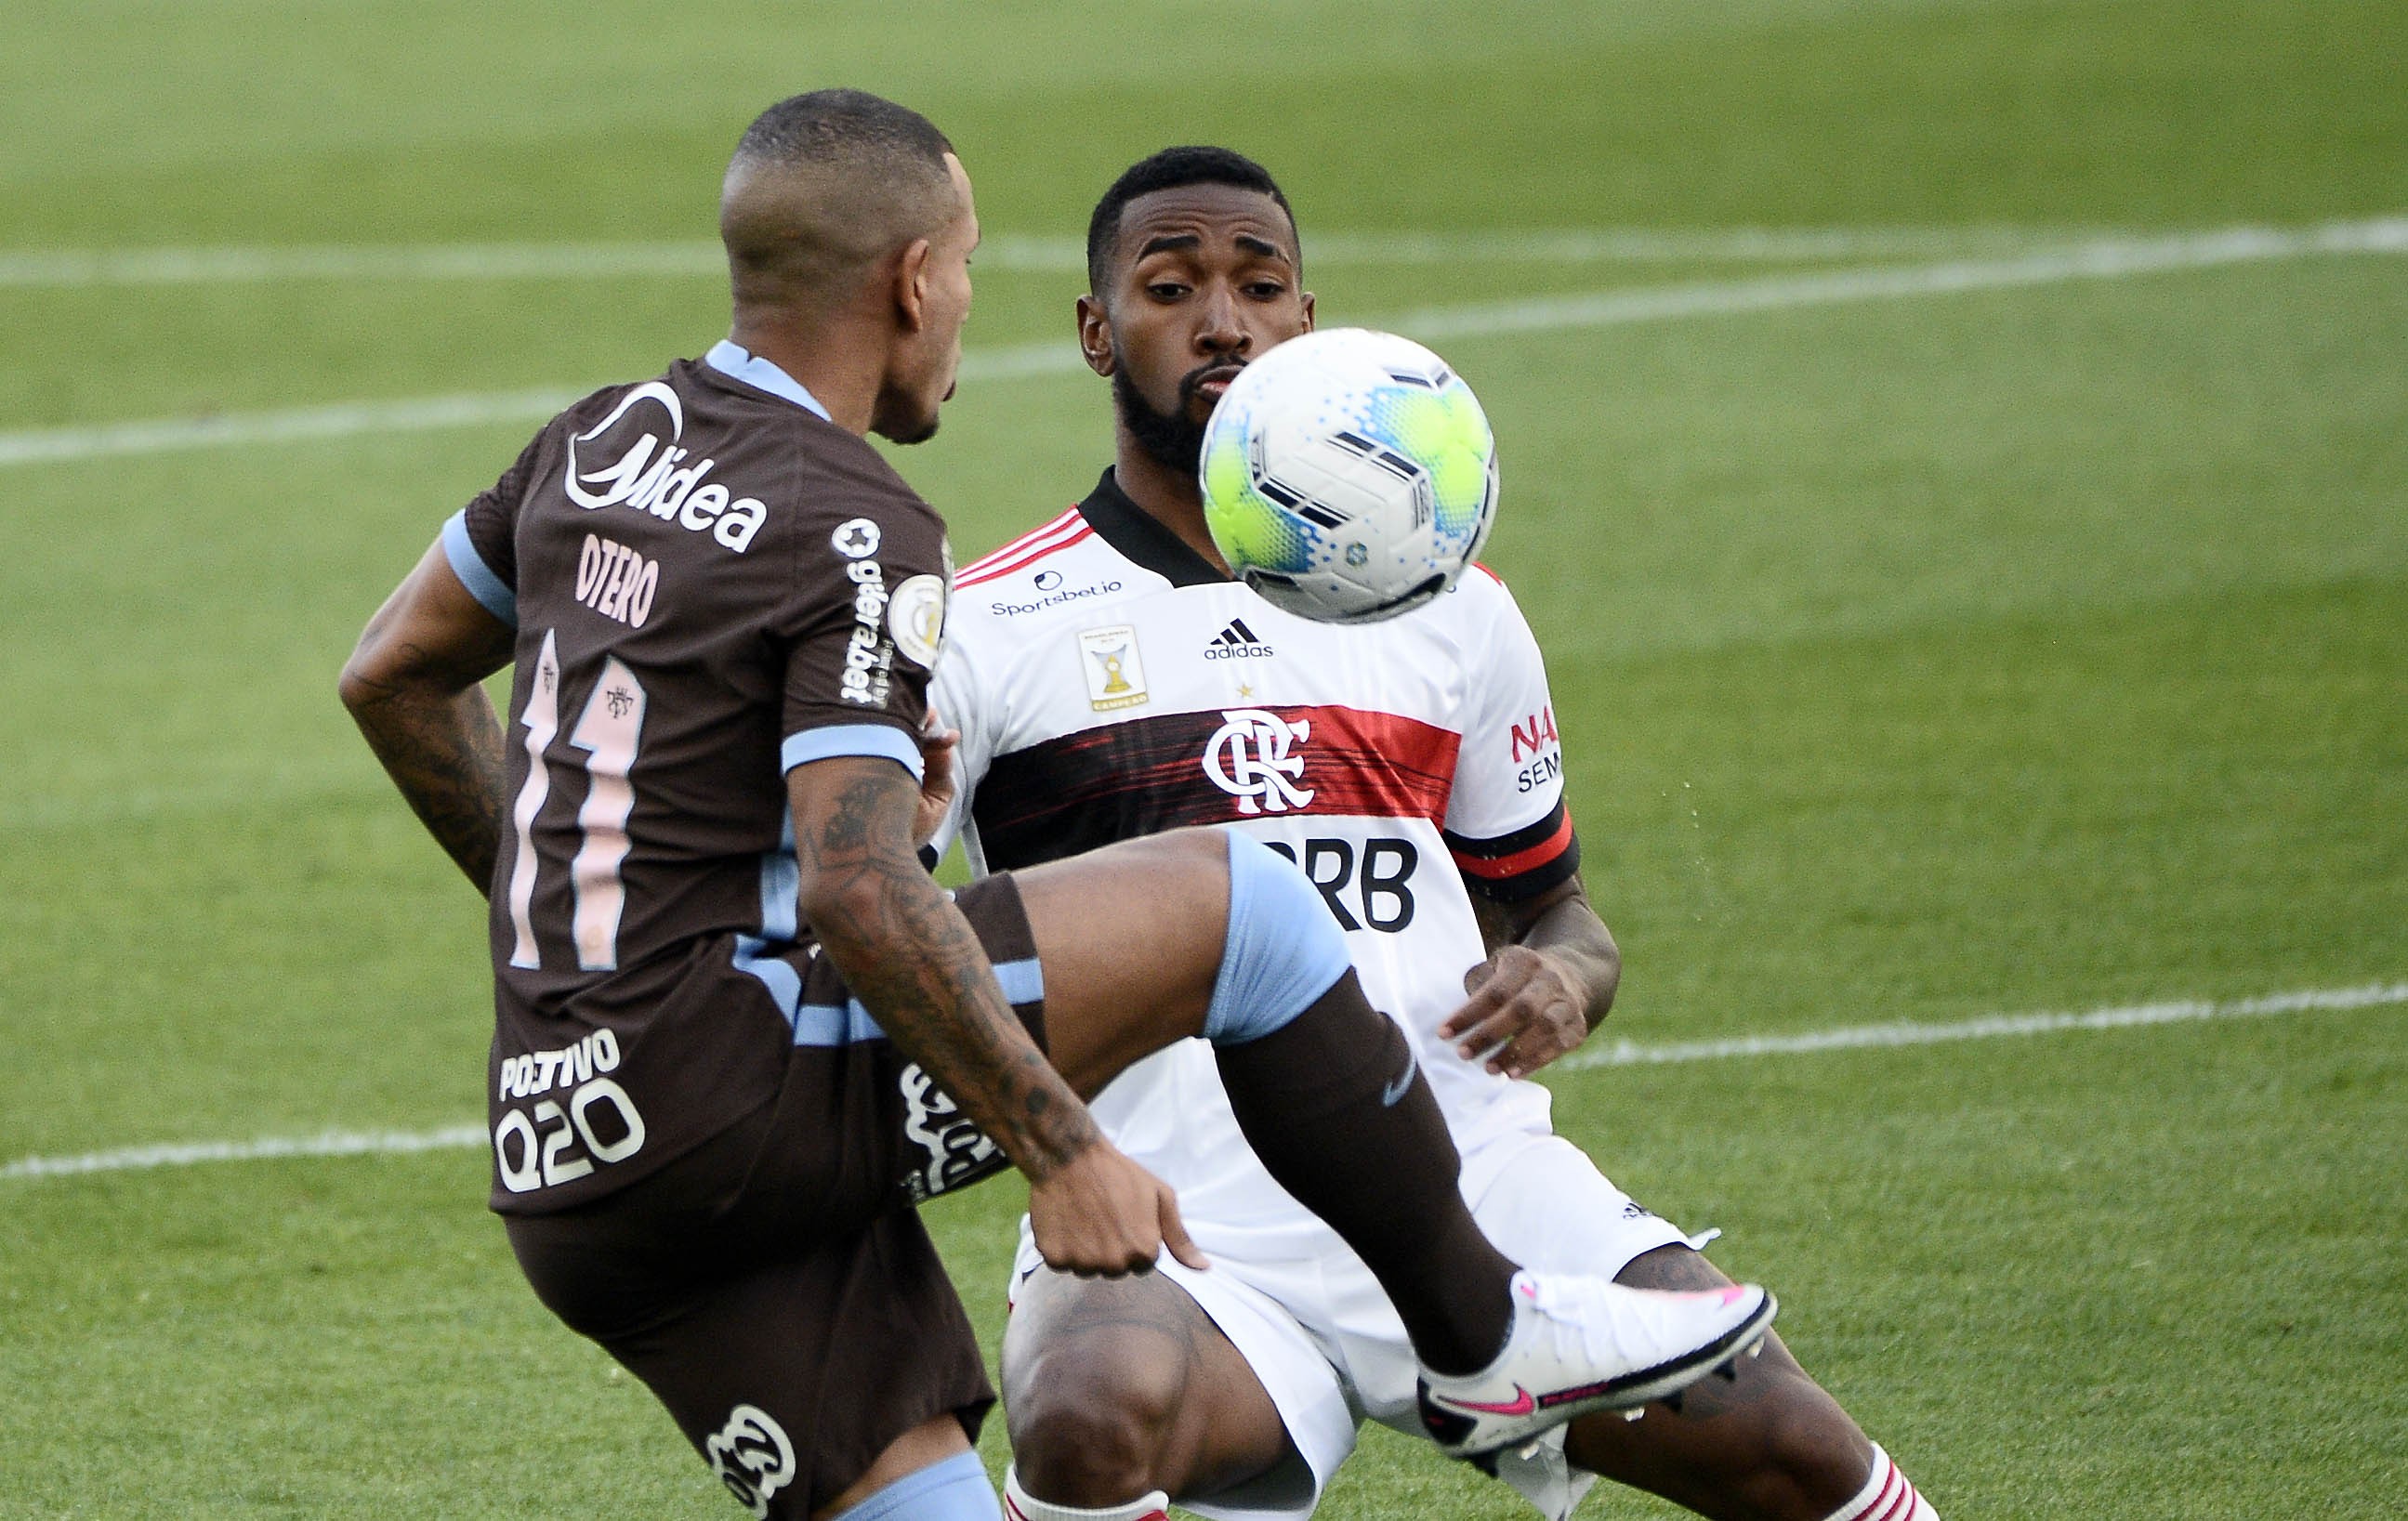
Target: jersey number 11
(608,730)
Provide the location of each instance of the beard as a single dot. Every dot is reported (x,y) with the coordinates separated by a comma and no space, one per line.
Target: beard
(1173,439)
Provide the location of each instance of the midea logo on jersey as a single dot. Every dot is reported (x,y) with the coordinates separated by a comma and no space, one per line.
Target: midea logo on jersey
(1248,758)
(657,480)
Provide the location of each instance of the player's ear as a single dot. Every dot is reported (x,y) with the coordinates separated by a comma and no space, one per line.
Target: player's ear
(911,284)
(1306,299)
(1096,337)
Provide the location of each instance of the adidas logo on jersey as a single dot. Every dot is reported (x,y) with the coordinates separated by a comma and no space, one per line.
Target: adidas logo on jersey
(1235,643)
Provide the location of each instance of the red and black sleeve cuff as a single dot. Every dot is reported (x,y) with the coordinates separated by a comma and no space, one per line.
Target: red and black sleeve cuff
(1522,864)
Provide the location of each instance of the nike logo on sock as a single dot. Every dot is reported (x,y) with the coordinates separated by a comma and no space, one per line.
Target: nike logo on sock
(1395,1090)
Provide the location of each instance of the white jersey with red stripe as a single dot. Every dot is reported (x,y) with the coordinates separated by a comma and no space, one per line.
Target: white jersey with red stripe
(1109,683)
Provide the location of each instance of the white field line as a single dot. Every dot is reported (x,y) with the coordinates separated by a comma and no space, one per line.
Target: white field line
(75,268)
(2105,258)
(342,419)
(1618,1054)
(349,420)
(193,1153)
(1989,1027)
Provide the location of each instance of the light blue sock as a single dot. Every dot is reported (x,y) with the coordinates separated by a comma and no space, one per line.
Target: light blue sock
(1283,952)
(956,1490)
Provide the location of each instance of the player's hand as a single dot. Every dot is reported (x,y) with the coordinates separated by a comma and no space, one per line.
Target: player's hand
(1526,1009)
(937,744)
(1101,1213)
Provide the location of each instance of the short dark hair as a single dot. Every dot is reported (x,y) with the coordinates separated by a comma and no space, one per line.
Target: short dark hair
(821,187)
(827,124)
(1169,170)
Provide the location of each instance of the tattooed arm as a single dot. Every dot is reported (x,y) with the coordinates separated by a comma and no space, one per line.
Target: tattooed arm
(914,962)
(413,687)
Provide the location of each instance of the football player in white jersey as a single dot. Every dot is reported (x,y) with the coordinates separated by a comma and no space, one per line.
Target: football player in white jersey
(1109,680)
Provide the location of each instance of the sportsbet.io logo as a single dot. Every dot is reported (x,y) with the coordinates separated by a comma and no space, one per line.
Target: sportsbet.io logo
(753,1457)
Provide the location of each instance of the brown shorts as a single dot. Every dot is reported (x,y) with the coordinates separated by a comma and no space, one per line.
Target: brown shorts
(774,1286)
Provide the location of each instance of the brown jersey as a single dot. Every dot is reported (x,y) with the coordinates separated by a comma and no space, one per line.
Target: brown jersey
(711,584)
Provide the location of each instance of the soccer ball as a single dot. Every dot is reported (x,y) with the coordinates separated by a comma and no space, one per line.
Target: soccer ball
(1349,476)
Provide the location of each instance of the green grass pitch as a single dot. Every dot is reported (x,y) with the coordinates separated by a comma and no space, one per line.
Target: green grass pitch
(2033,648)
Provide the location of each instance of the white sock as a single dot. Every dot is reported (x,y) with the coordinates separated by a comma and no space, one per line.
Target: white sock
(1885,1497)
(1020,1505)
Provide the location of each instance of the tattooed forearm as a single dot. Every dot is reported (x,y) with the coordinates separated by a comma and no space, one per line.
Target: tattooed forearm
(914,962)
(413,685)
(444,751)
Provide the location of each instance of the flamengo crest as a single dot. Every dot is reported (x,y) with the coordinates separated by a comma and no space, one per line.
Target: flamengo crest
(1248,758)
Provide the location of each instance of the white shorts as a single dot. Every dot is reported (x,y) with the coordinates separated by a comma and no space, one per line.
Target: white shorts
(1322,1337)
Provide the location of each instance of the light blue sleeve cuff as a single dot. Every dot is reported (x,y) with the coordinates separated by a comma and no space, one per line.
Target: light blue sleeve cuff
(883,739)
(489,589)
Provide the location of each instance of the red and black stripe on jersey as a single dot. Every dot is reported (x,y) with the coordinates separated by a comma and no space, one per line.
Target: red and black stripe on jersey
(1522,864)
(1140,777)
(1143,775)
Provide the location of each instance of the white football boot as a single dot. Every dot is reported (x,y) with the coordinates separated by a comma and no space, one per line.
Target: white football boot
(1581,1344)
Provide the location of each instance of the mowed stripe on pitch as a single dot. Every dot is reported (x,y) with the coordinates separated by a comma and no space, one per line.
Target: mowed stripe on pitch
(2103,259)
(1616,1054)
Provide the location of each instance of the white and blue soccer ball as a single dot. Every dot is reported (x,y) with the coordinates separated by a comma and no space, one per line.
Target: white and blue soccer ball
(1349,476)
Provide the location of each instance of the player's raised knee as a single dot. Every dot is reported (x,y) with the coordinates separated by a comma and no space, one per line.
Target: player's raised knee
(1281,950)
(1089,1425)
